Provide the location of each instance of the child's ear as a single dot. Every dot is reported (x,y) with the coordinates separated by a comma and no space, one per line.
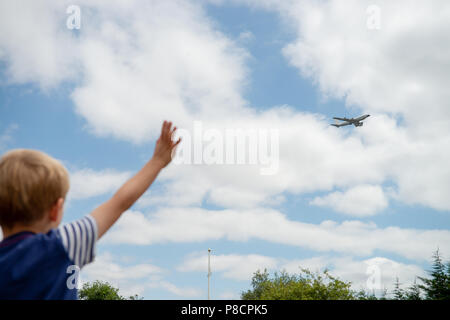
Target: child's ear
(56,211)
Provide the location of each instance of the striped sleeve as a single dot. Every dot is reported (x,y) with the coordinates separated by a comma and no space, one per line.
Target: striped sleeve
(79,238)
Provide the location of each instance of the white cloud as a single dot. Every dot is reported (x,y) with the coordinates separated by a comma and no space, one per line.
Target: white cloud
(351,237)
(360,201)
(229,295)
(35,43)
(246,36)
(105,268)
(129,279)
(186,293)
(234,266)
(151,70)
(86,183)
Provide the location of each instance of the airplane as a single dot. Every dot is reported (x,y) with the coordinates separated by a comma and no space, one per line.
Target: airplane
(357,122)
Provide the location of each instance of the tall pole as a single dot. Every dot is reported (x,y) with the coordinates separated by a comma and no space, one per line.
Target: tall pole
(209,272)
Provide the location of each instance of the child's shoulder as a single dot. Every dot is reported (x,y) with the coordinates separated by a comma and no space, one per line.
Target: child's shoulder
(32,245)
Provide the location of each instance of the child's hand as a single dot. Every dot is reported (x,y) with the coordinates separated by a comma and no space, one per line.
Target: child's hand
(165,146)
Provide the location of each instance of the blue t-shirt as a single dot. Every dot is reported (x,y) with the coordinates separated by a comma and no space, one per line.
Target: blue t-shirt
(46,266)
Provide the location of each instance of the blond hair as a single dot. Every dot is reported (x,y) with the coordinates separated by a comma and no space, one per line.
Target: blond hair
(30,184)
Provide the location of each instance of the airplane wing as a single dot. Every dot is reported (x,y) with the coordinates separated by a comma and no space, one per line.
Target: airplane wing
(342,119)
(341,125)
(362,117)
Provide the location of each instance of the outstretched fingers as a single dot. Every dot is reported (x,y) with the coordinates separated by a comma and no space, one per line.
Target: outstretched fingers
(163,127)
(166,132)
(172,134)
(177,143)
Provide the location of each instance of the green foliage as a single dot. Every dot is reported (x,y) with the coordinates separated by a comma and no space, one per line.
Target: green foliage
(413,292)
(438,286)
(99,290)
(304,286)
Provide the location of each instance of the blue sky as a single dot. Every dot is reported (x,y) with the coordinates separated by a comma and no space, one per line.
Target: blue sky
(86,97)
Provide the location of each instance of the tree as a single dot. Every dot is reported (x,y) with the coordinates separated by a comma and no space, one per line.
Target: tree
(399,294)
(438,286)
(448,278)
(259,282)
(364,295)
(304,286)
(413,292)
(99,290)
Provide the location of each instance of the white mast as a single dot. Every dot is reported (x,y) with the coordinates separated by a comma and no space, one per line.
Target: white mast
(209,271)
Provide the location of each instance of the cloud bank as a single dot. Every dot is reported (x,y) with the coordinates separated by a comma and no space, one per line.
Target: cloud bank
(177,225)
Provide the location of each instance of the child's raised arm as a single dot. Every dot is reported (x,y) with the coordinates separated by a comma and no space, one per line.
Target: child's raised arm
(108,213)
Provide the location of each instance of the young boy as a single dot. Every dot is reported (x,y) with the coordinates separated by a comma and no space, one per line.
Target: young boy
(37,258)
